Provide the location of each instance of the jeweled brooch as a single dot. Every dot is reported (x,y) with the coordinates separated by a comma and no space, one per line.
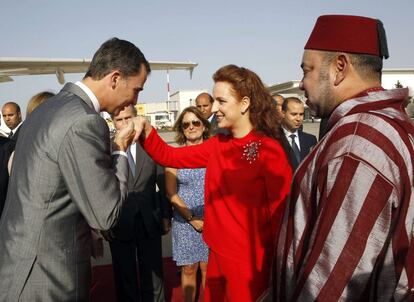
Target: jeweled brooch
(251,151)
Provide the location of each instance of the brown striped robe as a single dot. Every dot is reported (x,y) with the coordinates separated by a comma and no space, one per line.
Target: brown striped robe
(347,232)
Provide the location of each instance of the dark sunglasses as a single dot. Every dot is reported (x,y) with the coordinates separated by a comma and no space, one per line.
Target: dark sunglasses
(196,124)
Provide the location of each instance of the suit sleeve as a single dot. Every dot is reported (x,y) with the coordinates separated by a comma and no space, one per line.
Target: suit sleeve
(96,181)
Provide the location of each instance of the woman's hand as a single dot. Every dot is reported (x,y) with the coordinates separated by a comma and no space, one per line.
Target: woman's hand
(141,127)
(123,137)
(197,223)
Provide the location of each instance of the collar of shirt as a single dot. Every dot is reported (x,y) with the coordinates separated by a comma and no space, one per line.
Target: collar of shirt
(369,101)
(211,117)
(90,94)
(16,128)
(288,134)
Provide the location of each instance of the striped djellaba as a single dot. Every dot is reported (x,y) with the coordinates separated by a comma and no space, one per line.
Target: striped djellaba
(347,232)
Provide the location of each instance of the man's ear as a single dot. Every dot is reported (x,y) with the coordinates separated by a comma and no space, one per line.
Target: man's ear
(245,104)
(114,77)
(341,66)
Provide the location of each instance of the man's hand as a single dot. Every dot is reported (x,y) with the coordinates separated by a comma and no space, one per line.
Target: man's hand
(124,137)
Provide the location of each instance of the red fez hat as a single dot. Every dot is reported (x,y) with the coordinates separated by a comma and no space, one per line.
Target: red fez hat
(352,34)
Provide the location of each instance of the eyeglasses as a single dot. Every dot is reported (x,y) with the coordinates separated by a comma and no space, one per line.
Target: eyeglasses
(196,124)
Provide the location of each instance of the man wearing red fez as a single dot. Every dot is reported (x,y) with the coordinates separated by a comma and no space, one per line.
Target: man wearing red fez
(348,229)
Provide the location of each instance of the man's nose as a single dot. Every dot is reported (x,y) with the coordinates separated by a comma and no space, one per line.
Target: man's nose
(301,85)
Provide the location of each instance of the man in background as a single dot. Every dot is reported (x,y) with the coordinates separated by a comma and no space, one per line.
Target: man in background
(145,217)
(300,142)
(6,148)
(204,102)
(12,117)
(347,234)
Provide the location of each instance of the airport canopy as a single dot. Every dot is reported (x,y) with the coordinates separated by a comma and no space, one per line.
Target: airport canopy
(287,88)
(12,66)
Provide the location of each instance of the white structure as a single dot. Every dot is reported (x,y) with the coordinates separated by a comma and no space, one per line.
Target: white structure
(405,76)
(164,114)
(161,119)
(183,99)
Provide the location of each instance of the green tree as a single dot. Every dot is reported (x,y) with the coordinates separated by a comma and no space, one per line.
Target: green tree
(398,84)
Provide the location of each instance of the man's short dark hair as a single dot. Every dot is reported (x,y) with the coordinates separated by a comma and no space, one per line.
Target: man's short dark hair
(287,100)
(117,54)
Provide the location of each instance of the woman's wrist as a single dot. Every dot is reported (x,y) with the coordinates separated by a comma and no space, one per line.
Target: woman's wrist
(189,217)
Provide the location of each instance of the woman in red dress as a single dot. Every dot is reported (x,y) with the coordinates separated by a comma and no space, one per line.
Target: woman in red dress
(247,181)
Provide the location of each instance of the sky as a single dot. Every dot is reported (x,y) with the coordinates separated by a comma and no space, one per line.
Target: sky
(265,36)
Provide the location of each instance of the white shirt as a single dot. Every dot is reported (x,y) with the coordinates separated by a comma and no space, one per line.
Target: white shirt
(16,128)
(289,139)
(131,154)
(133,149)
(91,95)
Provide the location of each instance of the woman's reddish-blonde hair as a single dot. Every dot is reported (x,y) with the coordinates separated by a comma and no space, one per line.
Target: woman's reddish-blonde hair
(263,112)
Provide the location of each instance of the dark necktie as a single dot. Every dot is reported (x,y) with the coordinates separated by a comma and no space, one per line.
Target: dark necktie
(295,147)
(11,134)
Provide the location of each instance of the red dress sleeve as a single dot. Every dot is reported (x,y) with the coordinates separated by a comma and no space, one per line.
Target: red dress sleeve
(195,156)
(278,178)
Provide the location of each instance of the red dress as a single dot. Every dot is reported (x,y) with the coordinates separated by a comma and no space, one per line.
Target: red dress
(246,184)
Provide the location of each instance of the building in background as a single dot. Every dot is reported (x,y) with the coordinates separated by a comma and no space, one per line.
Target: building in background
(162,115)
(183,99)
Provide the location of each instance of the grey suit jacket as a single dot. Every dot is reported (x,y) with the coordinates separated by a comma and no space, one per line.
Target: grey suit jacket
(143,198)
(63,181)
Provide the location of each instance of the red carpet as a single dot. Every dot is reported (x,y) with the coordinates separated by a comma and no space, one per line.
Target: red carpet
(103,288)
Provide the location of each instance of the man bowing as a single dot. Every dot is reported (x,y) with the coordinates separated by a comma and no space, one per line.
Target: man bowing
(65,180)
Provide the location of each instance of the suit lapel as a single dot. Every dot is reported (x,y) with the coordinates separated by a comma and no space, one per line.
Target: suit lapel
(304,149)
(75,89)
(139,161)
(302,145)
(286,145)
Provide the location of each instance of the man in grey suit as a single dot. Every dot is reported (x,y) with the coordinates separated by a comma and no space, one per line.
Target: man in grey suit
(65,180)
(137,235)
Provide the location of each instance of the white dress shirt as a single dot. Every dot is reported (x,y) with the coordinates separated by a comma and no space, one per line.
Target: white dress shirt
(91,95)
(289,139)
